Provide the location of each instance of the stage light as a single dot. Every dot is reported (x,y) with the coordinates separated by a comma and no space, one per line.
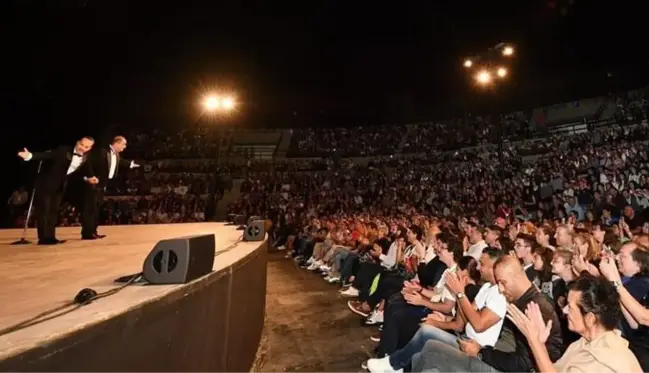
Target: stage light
(508,51)
(502,72)
(468,63)
(227,103)
(483,77)
(212,103)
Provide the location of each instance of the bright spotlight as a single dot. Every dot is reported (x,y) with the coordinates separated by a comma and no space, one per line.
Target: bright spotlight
(227,103)
(502,72)
(508,51)
(468,63)
(483,77)
(212,103)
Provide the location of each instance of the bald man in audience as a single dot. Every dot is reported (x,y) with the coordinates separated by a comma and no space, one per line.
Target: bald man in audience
(517,289)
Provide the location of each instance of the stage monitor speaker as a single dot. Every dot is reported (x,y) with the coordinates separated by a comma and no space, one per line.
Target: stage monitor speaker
(253,218)
(255,231)
(180,260)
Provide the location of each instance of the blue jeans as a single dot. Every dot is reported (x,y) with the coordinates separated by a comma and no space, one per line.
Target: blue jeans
(347,266)
(401,358)
(439,357)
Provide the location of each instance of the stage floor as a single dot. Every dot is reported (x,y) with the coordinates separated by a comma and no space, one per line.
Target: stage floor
(38,278)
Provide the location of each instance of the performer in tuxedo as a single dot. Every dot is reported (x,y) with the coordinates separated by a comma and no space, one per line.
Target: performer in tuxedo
(103,164)
(51,182)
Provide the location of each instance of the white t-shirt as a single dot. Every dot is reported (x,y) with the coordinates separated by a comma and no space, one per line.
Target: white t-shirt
(475,250)
(430,254)
(489,297)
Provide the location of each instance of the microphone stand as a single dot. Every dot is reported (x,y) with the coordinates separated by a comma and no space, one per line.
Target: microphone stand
(23,240)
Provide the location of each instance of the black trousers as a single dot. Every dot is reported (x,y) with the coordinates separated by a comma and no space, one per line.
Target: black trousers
(400,323)
(364,278)
(390,283)
(47,213)
(93,198)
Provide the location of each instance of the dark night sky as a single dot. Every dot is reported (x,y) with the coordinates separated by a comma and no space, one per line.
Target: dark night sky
(76,66)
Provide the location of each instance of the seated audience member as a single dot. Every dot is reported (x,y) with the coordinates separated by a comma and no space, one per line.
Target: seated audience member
(517,288)
(544,279)
(524,249)
(492,235)
(544,235)
(476,240)
(586,254)
(404,319)
(593,311)
(562,268)
(634,310)
(418,302)
(391,283)
(480,319)
(633,263)
(563,237)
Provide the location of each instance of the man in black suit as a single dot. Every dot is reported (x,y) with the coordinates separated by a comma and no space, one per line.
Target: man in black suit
(51,182)
(103,164)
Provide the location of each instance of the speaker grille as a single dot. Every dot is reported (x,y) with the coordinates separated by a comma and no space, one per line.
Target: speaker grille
(166,265)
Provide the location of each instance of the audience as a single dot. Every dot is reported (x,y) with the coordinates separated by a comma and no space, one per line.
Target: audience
(471,246)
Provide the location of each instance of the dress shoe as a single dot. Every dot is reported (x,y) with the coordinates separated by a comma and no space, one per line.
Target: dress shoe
(93,237)
(50,241)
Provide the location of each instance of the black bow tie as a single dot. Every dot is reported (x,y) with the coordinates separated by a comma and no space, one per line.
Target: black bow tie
(77,155)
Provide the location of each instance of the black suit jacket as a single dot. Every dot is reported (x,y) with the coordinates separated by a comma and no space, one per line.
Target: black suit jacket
(99,163)
(53,175)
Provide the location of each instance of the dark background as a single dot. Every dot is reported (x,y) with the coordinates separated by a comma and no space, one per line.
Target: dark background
(76,67)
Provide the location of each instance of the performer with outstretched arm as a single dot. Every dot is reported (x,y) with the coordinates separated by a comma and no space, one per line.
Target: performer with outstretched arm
(103,164)
(51,182)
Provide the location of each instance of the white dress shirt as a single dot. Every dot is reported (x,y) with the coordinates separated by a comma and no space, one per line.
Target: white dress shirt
(75,163)
(113,164)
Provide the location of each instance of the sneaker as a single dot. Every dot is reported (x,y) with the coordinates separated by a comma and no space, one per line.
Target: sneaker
(376,317)
(281,247)
(315,266)
(350,292)
(325,268)
(375,338)
(381,366)
(310,261)
(357,309)
(333,280)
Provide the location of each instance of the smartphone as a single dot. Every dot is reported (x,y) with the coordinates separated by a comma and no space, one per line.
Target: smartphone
(608,250)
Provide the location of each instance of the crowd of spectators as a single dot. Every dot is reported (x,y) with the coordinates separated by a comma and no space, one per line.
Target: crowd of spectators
(195,143)
(152,209)
(459,133)
(492,251)
(545,268)
(355,141)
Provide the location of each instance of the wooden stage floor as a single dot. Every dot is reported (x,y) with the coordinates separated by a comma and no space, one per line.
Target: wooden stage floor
(34,279)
